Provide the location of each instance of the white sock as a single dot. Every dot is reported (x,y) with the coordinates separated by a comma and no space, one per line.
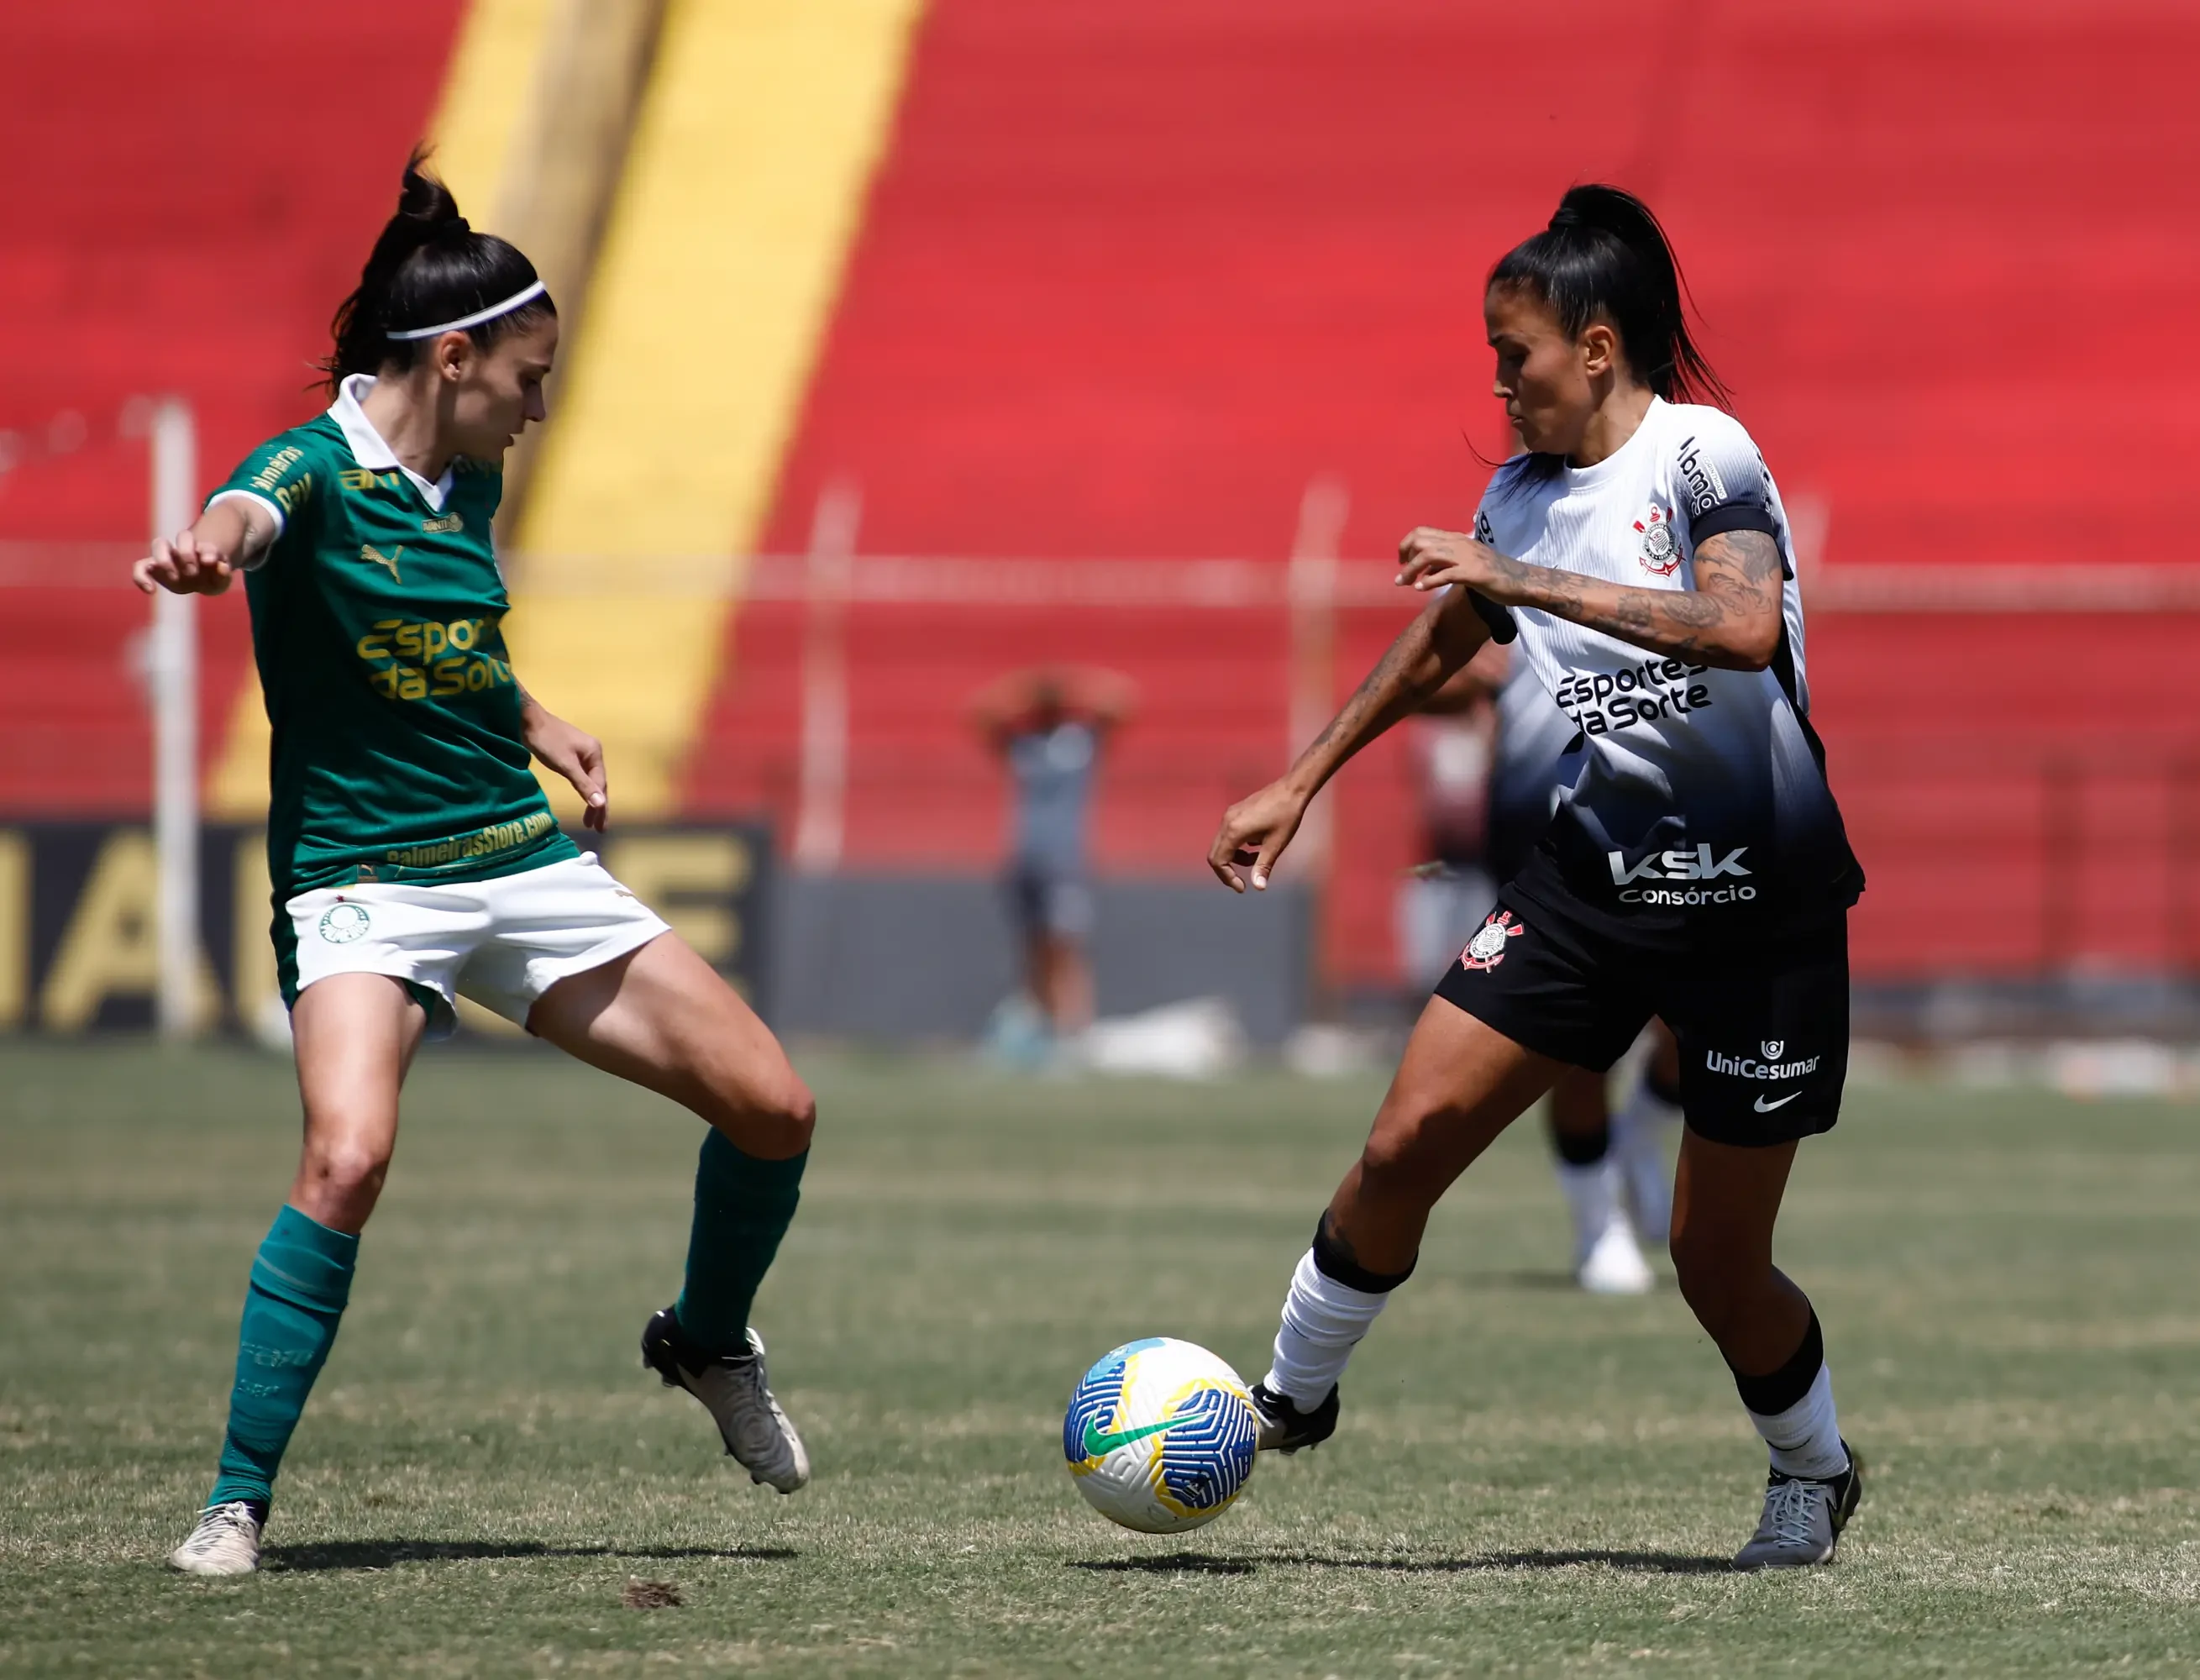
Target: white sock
(1645,1110)
(1638,1153)
(1806,1438)
(1322,1321)
(1591,1194)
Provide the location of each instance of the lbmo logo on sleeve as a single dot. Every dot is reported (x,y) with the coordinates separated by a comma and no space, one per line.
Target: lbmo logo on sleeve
(1706,486)
(1701,864)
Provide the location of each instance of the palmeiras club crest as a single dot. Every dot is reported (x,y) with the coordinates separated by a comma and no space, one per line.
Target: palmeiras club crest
(1486,949)
(1661,549)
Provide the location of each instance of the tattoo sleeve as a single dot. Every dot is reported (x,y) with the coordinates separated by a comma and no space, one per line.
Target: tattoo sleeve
(1446,634)
(1730,619)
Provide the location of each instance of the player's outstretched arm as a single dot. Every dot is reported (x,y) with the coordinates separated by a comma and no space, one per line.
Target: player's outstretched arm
(573,753)
(1255,830)
(228,538)
(1730,619)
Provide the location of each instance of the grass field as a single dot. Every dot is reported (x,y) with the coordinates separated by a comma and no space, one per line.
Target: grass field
(1527,1481)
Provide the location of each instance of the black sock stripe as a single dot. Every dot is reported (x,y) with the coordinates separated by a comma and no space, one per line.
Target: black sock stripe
(1582,1149)
(1333,1263)
(1777,1390)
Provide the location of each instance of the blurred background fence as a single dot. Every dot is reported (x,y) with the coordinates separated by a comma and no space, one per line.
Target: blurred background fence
(1056,295)
(2032,834)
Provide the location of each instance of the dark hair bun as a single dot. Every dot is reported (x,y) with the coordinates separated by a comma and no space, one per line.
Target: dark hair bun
(428,266)
(1604,256)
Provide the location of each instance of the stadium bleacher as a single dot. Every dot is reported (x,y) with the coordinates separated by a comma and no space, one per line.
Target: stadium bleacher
(1134,273)
(184,222)
(1131,275)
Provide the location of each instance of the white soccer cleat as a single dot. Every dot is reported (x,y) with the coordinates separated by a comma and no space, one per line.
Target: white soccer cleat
(1614,1264)
(1802,1520)
(225,1542)
(735,1390)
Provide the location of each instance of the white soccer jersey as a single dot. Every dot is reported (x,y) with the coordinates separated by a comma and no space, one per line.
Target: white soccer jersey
(1704,792)
(1535,758)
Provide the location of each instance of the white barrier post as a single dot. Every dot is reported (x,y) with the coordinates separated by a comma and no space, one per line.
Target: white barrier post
(173,662)
(1312,589)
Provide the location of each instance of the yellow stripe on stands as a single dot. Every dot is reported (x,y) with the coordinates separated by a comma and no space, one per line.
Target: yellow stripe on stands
(493,66)
(745,183)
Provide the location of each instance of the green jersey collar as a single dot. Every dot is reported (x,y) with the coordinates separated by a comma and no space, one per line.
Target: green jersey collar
(367,448)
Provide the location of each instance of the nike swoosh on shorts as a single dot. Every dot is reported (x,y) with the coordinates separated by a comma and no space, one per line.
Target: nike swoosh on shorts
(1766,1108)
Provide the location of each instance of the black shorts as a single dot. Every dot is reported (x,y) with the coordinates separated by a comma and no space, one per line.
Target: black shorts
(1050,903)
(1763,1022)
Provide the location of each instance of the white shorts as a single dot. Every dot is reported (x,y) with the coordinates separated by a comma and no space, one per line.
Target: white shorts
(502,943)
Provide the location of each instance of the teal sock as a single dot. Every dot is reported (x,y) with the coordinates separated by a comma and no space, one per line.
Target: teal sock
(301,1280)
(743,1207)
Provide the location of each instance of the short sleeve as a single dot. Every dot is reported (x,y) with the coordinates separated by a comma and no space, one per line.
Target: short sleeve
(281,475)
(1720,479)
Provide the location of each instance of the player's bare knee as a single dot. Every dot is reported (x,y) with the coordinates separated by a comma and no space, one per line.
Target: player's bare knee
(339,1184)
(774,1117)
(794,1111)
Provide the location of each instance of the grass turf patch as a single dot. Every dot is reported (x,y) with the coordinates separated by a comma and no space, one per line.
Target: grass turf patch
(1527,1480)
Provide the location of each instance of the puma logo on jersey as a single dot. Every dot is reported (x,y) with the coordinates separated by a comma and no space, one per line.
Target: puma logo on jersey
(367,551)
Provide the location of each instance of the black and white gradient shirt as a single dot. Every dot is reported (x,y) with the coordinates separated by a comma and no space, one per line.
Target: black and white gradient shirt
(1702,804)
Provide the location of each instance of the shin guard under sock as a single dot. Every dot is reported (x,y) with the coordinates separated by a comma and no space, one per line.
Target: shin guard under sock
(743,1207)
(1333,1303)
(301,1281)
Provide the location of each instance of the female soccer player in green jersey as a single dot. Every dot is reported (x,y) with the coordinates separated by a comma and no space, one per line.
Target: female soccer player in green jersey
(414,857)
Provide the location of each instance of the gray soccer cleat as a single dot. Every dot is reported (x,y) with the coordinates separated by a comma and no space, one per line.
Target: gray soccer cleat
(1802,1519)
(224,1542)
(735,1391)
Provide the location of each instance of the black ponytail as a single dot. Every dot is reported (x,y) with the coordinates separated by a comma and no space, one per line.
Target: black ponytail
(428,266)
(1604,256)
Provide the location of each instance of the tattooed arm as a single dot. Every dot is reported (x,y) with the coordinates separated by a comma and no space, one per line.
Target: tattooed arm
(1730,619)
(1255,830)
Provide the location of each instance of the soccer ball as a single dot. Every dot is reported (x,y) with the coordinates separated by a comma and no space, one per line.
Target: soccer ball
(1160,1435)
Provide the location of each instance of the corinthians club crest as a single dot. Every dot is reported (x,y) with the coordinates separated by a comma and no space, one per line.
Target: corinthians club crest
(1661,549)
(1486,949)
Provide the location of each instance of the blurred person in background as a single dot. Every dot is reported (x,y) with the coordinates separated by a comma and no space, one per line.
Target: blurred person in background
(1611,1167)
(415,858)
(1049,724)
(1491,752)
(1452,746)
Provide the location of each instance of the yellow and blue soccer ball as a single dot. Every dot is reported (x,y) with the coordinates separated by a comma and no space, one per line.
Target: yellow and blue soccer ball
(1160,1435)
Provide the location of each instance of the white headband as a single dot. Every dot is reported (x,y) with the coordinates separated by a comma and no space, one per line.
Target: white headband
(514,302)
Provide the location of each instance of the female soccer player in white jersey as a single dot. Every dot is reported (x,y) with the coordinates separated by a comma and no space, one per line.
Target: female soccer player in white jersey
(414,857)
(1697,870)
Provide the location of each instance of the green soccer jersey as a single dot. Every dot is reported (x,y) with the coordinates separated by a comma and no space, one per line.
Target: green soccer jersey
(377,626)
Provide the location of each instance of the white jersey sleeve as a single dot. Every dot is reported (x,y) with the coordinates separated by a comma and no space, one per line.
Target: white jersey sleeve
(1719,480)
